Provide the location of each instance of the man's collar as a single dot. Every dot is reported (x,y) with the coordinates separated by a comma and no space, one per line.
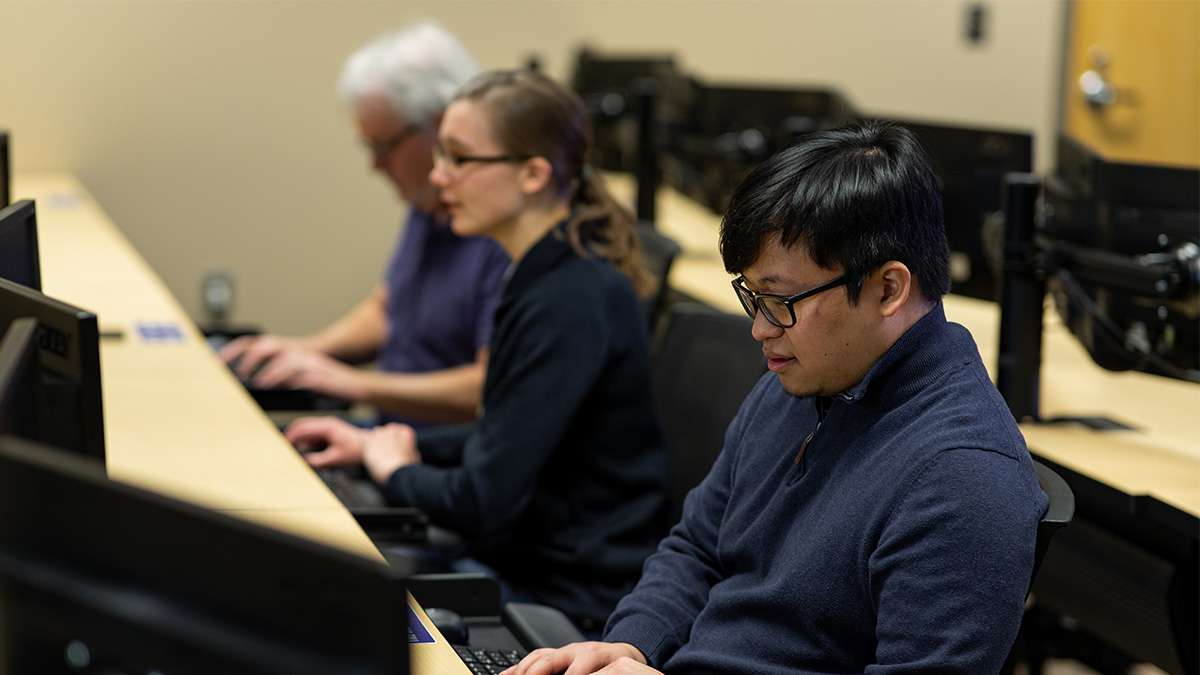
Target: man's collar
(897,361)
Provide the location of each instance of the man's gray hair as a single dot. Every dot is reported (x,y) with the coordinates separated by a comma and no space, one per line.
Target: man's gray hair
(417,69)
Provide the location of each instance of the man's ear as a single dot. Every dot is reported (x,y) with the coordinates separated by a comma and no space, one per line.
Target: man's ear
(896,284)
(535,175)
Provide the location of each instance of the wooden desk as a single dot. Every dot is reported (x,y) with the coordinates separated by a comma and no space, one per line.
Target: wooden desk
(1160,457)
(176,420)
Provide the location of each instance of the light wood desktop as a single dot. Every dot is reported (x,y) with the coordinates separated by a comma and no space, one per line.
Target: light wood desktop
(176,420)
(1160,457)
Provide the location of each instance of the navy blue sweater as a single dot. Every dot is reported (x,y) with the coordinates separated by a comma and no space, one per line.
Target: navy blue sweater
(902,541)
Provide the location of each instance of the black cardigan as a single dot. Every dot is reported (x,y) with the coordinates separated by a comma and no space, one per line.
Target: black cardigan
(561,483)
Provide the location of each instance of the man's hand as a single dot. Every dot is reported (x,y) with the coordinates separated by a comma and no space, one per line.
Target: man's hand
(388,448)
(297,368)
(251,351)
(343,441)
(581,658)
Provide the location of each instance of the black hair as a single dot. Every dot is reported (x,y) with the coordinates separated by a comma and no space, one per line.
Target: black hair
(854,197)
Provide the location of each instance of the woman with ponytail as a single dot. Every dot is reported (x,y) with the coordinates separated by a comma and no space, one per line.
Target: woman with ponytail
(560,483)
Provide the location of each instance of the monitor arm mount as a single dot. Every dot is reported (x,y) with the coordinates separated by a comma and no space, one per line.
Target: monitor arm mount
(1033,258)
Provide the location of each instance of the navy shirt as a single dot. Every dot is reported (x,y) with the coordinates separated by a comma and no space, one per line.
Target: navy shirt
(902,541)
(442,294)
(560,484)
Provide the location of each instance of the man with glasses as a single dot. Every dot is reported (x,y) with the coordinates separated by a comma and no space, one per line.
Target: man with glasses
(427,323)
(874,509)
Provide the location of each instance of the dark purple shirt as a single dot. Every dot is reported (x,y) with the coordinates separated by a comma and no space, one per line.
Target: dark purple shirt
(442,293)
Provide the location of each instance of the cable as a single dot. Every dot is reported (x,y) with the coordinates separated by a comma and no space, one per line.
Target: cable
(1139,353)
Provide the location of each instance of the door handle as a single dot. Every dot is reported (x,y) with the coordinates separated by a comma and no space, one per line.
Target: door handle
(1098,91)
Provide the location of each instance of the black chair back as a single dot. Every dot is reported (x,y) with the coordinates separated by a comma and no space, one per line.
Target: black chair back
(659,252)
(1058,513)
(703,367)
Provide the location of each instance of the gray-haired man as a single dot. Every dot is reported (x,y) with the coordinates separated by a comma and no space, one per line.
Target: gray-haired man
(429,319)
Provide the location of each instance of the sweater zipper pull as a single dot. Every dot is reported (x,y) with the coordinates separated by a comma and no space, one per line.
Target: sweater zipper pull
(803,447)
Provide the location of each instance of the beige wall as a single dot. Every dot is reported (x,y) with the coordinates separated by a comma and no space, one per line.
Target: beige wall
(210,131)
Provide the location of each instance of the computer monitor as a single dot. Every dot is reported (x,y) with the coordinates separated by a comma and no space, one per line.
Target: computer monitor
(1121,245)
(19,245)
(18,353)
(971,163)
(100,576)
(5,171)
(734,127)
(1118,247)
(609,85)
(67,410)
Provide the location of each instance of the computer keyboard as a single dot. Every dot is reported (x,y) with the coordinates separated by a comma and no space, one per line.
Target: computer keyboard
(349,491)
(488,661)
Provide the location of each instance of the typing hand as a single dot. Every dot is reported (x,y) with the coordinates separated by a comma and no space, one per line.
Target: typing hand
(388,448)
(583,657)
(299,368)
(343,441)
(251,351)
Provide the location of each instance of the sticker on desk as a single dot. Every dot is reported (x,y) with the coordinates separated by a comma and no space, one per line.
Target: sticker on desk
(62,200)
(159,332)
(417,634)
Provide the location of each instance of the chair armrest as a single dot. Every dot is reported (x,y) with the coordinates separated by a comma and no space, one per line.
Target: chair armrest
(537,626)
(393,525)
(466,594)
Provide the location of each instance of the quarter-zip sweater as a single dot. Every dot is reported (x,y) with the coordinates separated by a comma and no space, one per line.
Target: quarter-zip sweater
(561,483)
(900,540)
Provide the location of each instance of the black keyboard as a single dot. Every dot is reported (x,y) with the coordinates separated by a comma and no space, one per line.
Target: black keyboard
(346,489)
(488,661)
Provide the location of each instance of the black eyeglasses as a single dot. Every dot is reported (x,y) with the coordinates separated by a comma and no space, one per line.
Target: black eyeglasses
(778,309)
(454,162)
(381,150)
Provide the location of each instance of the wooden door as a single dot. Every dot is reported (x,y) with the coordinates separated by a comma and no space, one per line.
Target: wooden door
(1132,86)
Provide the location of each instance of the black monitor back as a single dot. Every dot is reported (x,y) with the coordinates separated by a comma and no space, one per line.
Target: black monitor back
(610,85)
(132,581)
(5,171)
(1132,212)
(19,245)
(67,408)
(734,127)
(18,370)
(597,73)
(971,163)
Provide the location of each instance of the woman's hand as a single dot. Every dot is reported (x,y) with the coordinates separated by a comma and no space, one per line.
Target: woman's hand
(388,448)
(343,442)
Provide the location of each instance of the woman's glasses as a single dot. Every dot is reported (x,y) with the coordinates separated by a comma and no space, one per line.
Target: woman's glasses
(453,163)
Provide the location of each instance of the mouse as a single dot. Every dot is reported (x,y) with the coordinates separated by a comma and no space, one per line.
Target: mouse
(450,624)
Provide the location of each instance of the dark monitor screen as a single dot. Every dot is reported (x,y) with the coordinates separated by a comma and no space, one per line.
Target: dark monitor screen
(119,579)
(67,410)
(19,245)
(971,163)
(5,171)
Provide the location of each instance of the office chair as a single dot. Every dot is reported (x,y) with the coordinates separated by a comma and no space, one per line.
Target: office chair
(659,252)
(1059,513)
(702,368)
